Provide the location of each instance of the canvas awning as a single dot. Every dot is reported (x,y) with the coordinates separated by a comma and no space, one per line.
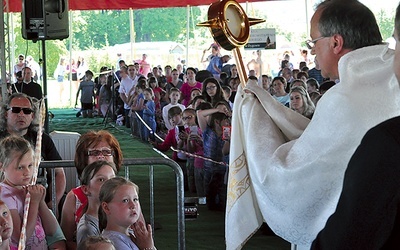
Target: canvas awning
(16,5)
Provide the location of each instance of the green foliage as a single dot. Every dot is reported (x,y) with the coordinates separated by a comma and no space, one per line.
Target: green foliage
(386,23)
(98,60)
(98,29)
(165,24)
(54,48)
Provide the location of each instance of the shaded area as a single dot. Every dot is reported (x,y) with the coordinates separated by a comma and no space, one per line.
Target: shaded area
(206,232)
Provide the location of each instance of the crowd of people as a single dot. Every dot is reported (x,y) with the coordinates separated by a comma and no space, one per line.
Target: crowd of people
(98,159)
(190,110)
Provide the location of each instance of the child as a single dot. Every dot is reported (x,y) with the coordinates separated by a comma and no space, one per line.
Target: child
(173,138)
(193,141)
(138,105)
(120,213)
(92,178)
(212,91)
(187,87)
(227,94)
(96,243)
(158,92)
(16,159)
(105,95)
(211,122)
(193,93)
(6,226)
(196,101)
(174,96)
(87,96)
(149,114)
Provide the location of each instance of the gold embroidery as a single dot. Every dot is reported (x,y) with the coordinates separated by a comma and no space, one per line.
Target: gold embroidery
(239,180)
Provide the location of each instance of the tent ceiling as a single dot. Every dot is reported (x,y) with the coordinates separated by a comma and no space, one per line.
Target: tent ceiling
(16,5)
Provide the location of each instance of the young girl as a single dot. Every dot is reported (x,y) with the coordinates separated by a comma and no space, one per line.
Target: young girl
(120,212)
(149,113)
(138,105)
(196,101)
(92,178)
(301,102)
(16,159)
(212,91)
(158,92)
(6,226)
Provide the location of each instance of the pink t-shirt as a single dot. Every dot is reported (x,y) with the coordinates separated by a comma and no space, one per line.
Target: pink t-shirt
(14,199)
(186,89)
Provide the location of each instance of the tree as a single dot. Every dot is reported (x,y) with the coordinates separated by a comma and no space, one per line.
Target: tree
(54,48)
(163,24)
(385,23)
(97,29)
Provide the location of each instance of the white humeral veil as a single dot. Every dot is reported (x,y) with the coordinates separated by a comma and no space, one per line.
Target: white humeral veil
(287,170)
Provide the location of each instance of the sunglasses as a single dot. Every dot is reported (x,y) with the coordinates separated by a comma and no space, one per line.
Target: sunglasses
(104,152)
(17,110)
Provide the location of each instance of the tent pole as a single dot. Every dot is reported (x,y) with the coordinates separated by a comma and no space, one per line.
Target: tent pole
(71,38)
(11,60)
(3,76)
(187,34)
(132,35)
(307,22)
(44,82)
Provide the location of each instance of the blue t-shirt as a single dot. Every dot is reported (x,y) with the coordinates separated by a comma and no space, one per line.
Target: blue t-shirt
(120,240)
(150,110)
(141,96)
(217,62)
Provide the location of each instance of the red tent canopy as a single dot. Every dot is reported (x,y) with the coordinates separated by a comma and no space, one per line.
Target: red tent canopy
(16,5)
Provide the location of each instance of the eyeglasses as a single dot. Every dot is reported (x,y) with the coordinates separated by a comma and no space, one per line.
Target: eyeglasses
(17,110)
(187,117)
(21,59)
(311,43)
(211,87)
(103,151)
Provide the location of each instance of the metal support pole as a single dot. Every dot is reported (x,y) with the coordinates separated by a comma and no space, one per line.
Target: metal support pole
(44,81)
(3,56)
(133,35)
(187,34)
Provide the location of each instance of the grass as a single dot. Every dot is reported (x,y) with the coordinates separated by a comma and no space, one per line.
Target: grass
(206,232)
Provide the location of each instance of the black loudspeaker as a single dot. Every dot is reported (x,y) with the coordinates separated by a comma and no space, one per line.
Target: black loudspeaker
(44,19)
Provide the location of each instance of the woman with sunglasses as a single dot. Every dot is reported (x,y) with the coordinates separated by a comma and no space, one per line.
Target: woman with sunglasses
(91,147)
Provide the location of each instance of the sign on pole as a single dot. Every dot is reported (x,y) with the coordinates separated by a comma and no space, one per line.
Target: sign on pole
(261,39)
